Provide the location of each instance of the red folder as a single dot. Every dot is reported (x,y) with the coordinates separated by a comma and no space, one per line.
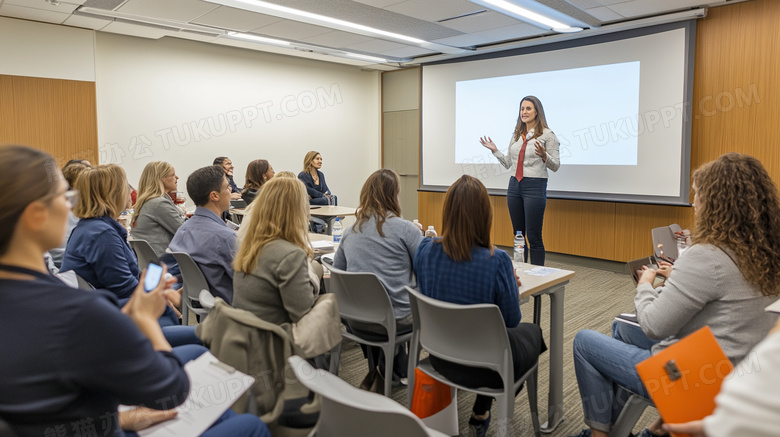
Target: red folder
(684,378)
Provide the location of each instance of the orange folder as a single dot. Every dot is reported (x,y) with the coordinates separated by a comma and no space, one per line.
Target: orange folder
(684,378)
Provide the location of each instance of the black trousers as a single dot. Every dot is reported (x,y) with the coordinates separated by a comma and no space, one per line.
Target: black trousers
(527,344)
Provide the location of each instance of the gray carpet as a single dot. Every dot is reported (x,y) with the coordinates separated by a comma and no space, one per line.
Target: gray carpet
(593,297)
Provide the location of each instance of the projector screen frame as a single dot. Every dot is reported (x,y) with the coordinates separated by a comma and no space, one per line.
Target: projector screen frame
(689,26)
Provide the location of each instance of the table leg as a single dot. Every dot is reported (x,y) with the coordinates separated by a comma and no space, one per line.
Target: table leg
(555,395)
(537,310)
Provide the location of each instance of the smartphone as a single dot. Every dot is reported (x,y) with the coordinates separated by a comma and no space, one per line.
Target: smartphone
(153,276)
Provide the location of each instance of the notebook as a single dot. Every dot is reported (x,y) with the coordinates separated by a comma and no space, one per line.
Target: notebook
(684,378)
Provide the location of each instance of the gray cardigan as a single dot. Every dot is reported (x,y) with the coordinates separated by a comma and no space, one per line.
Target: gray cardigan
(389,257)
(278,290)
(533,166)
(705,288)
(157,222)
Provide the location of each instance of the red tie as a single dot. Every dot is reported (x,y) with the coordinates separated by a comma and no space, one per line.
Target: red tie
(520,159)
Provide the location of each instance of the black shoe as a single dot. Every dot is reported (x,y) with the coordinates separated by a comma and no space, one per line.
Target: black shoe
(368,381)
(478,428)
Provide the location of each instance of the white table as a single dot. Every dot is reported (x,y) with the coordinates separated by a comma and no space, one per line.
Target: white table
(552,285)
(328,213)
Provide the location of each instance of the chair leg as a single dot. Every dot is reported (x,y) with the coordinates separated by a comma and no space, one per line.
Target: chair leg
(389,358)
(185,313)
(335,359)
(630,414)
(414,358)
(505,409)
(531,387)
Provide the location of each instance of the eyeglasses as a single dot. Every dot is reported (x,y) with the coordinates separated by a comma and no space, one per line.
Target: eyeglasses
(72,197)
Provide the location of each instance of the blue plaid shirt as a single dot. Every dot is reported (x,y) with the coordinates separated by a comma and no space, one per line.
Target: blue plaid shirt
(484,279)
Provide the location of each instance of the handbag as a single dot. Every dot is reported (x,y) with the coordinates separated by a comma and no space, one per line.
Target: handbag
(430,395)
(319,330)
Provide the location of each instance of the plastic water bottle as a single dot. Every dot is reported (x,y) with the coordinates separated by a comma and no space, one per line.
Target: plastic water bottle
(418,224)
(431,232)
(519,247)
(337,231)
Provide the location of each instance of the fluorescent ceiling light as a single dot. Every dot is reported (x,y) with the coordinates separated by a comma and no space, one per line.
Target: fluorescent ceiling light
(256,38)
(366,57)
(288,13)
(525,14)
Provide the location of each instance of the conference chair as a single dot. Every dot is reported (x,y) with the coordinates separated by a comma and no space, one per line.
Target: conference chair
(349,411)
(665,237)
(144,252)
(629,416)
(362,298)
(470,335)
(196,295)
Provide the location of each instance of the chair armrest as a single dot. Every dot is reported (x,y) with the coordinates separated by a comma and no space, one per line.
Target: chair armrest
(206,299)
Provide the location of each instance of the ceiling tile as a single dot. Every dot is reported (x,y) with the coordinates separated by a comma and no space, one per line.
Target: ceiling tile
(178,10)
(408,52)
(290,29)
(613,2)
(193,36)
(32,14)
(235,19)
(63,7)
(604,13)
(480,22)
(585,4)
(379,3)
(506,33)
(637,8)
(337,39)
(375,45)
(86,22)
(135,30)
(434,10)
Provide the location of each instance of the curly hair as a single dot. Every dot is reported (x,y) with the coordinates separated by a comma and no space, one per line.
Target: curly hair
(737,208)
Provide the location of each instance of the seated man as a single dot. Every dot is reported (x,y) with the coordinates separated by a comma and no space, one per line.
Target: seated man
(205,237)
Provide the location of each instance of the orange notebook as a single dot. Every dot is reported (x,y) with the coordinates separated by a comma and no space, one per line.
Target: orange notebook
(684,378)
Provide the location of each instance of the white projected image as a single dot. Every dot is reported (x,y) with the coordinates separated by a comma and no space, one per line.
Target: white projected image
(592,110)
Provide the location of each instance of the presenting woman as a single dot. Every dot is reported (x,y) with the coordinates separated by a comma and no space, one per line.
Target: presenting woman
(723,281)
(532,150)
(463,267)
(258,172)
(156,217)
(67,375)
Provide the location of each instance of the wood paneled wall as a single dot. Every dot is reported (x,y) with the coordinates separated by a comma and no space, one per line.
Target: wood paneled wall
(735,108)
(54,115)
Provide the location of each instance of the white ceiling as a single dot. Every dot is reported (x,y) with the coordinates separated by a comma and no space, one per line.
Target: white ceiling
(451,27)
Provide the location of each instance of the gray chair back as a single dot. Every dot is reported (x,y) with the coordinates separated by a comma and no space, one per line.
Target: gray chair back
(195,288)
(349,411)
(144,253)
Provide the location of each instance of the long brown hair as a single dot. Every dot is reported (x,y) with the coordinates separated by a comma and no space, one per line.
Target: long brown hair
(738,209)
(379,199)
(255,173)
(540,122)
(283,214)
(467,219)
(26,175)
(308,159)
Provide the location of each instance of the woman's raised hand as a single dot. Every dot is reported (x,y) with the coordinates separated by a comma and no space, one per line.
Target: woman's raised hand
(487,142)
(539,150)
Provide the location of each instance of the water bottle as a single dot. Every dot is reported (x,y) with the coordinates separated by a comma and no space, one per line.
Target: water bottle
(519,247)
(337,231)
(418,224)
(431,232)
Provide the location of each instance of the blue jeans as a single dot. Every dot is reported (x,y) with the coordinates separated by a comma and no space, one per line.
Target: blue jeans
(526,201)
(604,366)
(180,335)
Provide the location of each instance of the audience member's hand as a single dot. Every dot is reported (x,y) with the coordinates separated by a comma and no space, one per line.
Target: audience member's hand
(235,196)
(694,429)
(648,276)
(173,297)
(488,143)
(776,328)
(142,418)
(664,269)
(143,306)
(517,279)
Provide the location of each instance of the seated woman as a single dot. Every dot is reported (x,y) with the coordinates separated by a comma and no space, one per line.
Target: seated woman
(316,187)
(258,172)
(98,250)
(724,281)
(156,217)
(463,267)
(273,277)
(383,243)
(67,376)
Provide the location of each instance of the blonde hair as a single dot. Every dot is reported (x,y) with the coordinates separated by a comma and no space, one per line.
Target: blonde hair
(103,191)
(286,174)
(151,184)
(283,214)
(308,159)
